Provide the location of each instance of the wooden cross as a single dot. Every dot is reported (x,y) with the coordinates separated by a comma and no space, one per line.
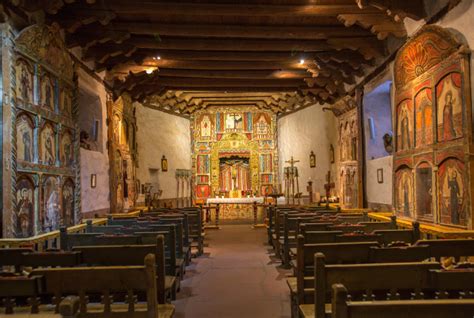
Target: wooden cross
(292,161)
(328,186)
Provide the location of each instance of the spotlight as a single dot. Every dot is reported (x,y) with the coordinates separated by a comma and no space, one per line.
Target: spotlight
(149,71)
(302,61)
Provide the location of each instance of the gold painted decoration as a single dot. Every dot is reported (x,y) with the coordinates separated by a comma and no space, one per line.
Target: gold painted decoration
(45,44)
(434,120)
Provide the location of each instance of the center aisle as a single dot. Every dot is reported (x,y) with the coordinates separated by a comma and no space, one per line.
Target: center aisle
(236,277)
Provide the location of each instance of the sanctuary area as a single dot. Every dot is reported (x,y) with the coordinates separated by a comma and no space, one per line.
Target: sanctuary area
(251,158)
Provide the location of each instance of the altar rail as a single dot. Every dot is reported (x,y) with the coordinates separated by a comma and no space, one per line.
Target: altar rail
(50,240)
(428,231)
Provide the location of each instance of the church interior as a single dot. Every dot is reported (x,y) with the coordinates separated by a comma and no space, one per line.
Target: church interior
(251,158)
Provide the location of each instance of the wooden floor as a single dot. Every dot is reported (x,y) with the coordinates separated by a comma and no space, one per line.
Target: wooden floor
(237,277)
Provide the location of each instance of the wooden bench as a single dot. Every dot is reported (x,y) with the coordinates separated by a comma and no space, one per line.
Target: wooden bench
(452,308)
(108,282)
(365,282)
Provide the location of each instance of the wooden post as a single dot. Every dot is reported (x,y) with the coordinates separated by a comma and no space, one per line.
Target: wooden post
(217,214)
(310,191)
(319,284)
(161,267)
(339,301)
(152,292)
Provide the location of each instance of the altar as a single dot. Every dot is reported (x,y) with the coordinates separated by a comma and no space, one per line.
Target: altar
(240,208)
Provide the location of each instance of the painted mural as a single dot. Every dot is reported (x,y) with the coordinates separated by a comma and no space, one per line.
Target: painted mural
(24,226)
(404,197)
(50,214)
(45,136)
(47,92)
(66,150)
(24,80)
(424,118)
(429,74)
(48,145)
(404,126)
(424,191)
(347,186)
(24,139)
(67,216)
(234,153)
(449,101)
(453,192)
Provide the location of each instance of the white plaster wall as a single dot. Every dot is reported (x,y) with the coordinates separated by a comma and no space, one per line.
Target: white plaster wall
(304,131)
(161,134)
(93,162)
(379,192)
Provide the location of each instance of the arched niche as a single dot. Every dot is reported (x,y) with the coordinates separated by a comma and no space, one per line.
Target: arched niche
(404,190)
(67,198)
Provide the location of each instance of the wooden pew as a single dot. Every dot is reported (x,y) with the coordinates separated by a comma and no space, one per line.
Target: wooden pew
(107,281)
(345,253)
(456,248)
(132,255)
(453,308)
(375,281)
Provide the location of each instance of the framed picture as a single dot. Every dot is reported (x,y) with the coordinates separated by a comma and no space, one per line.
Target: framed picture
(312,160)
(164,164)
(380,175)
(93,180)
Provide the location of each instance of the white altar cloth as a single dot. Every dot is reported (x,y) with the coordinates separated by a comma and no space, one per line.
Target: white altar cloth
(259,200)
(235,200)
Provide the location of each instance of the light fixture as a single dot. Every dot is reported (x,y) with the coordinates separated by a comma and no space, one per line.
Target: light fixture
(149,70)
(302,61)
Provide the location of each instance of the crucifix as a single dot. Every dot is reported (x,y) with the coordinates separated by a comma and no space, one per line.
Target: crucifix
(293,173)
(328,186)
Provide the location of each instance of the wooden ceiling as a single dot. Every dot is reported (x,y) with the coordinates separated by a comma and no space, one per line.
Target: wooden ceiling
(183,55)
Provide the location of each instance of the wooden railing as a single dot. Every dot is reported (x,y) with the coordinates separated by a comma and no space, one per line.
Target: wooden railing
(428,231)
(48,240)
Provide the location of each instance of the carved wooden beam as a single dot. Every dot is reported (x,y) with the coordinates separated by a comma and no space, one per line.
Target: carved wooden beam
(368,47)
(380,25)
(228,31)
(398,9)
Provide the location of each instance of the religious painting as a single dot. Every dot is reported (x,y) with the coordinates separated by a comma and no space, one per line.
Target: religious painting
(47,92)
(164,164)
(65,102)
(233,121)
(404,192)
(449,107)
(312,160)
(48,145)
(206,127)
(67,216)
(424,118)
(453,192)
(50,217)
(404,126)
(424,190)
(202,164)
(66,150)
(24,226)
(24,81)
(24,138)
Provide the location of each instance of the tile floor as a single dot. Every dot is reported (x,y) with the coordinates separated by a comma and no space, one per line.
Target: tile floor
(238,276)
